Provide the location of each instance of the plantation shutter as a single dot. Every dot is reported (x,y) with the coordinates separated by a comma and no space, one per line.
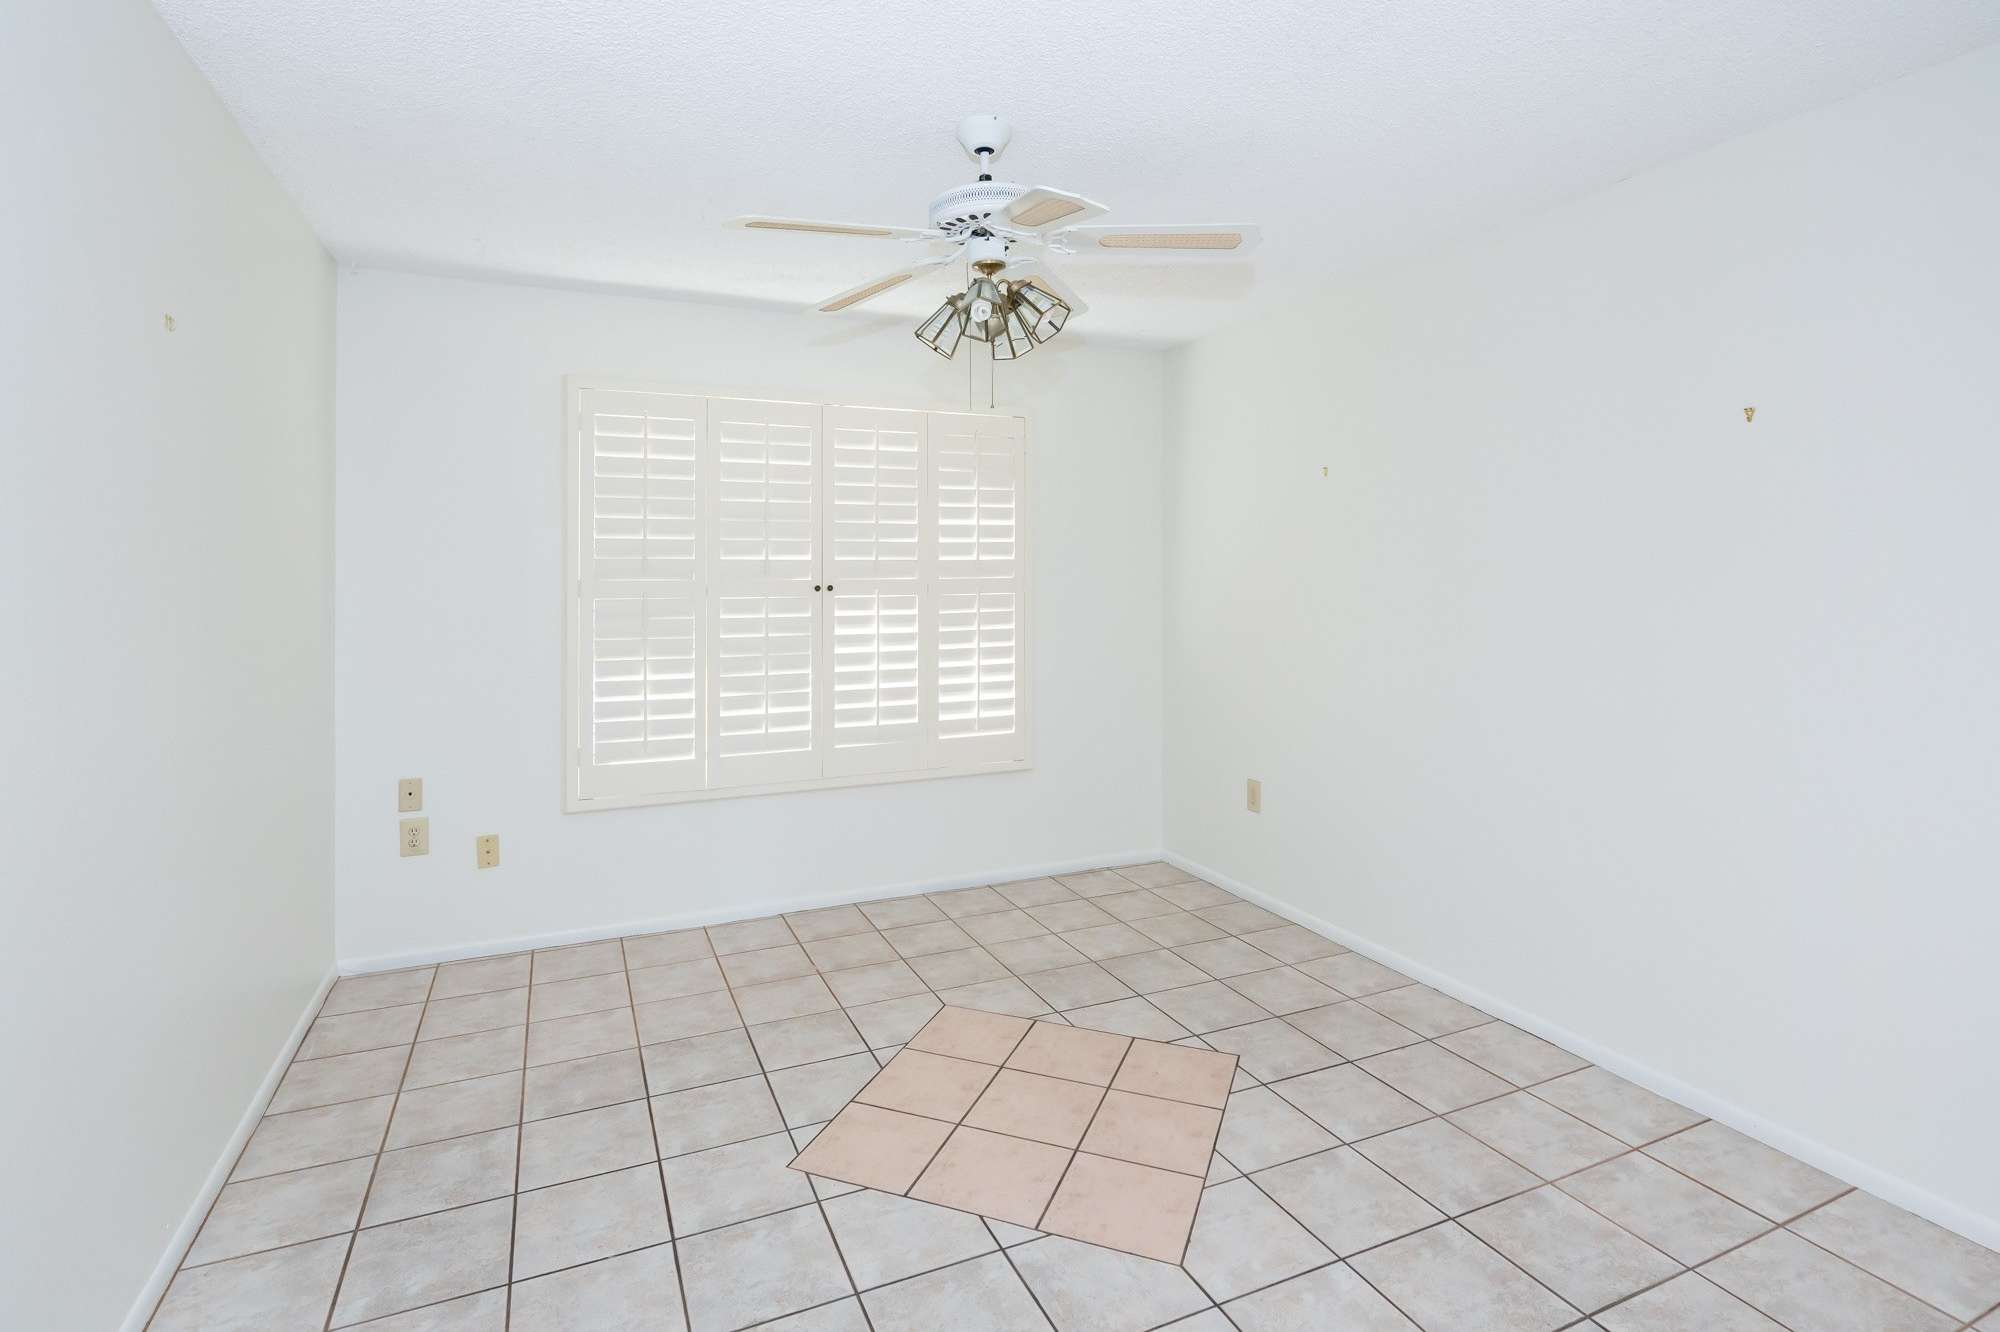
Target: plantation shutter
(978,473)
(763,481)
(639,592)
(876,563)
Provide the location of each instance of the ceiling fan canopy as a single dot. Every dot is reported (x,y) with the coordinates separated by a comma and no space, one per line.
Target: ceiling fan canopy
(1012,299)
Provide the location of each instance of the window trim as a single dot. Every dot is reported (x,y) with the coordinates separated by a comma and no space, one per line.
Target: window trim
(573,388)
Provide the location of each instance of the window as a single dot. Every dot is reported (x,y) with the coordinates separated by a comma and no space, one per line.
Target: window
(774,596)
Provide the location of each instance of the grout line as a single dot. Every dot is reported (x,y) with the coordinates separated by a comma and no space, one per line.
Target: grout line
(653,1128)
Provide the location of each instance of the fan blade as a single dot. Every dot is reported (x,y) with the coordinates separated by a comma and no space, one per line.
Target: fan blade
(1044,207)
(834,228)
(1042,275)
(876,286)
(1185,239)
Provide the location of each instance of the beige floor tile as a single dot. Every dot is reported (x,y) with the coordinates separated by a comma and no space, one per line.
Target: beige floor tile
(1570,1249)
(1242,1241)
(919,1083)
(1135,906)
(983,1295)
(588,1034)
(1193,894)
(814,1093)
(453,1109)
(714,1114)
(1150,972)
(1608,1102)
(1426,1011)
(1069,1052)
(588,1219)
(585,994)
(965,1033)
(1354,975)
(483,1311)
(774,1001)
(1930,1262)
(1075,914)
(1444,1278)
(1328,1297)
(1353,1030)
(827,923)
(677,1019)
(1242,917)
(588,1142)
(676,980)
(633,1291)
(1803,1286)
(275,1210)
(992,1175)
(748,936)
(309,1083)
(1095,883)
(1077,986)
(1207,1007)
(1089,1288)
(1685,1220)
(724,1185)
(761,965)
(1177,1073)
(456,1058)
(1178,928)
(414,1181)
(1347,1201)
(760,1270)
(586,959)
(1002,926)
(963,902)
(846,951)
(1154,874)
(896,912)
(1271,1049)
(938,936)
(1283,990)
(805,1040)
(879,1149)
(893,1021)
(875,982)
(1223,958)
(1511,1053)
(1350,1102)
(372,1029)
(1107,941)
(1029,1105)
(1688,1303)
(1172,1135)
(696,1061)
(1134,1208)
(1447,1167)
(582,1084)
(997,996)
(1260,1130)
(474,1012)
(963,966)
(1435,1078)
(1536,1134)
(320,1136)
(1133,1017)
(1761,1178)
(1293,943)
(422,1261)
(481,974)
(1036,952)
(386,989)
(1033,892)
(885,1238)
(284,1288)
(659,950)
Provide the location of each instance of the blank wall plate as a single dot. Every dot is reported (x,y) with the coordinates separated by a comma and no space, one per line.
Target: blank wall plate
(413,837)
(1253,796)
(410,795)
(486,850)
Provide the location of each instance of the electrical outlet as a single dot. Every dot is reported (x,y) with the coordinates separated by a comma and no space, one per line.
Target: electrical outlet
(409,795)
(413,837)
(1253,797)
(486,850)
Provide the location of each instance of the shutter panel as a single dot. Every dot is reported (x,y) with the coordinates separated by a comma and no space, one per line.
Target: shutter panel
(978,482)
(764,617)
(637,620)
(876,493)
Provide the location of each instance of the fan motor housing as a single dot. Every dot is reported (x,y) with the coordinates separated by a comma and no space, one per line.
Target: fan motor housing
(959,210)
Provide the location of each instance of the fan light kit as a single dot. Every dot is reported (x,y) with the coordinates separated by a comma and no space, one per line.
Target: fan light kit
(1012,300)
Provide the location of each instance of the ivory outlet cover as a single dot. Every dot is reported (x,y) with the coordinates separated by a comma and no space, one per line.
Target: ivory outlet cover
(486,850)
(413,837)
(410,795)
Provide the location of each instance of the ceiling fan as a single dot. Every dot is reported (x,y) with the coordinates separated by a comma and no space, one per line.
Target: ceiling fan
(1012,300)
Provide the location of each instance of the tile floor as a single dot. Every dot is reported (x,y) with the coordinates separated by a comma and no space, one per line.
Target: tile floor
(599,1137)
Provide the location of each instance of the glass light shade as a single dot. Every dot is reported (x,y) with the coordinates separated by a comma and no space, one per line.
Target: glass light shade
(946,325)
(987,290)
(1046,313)
(1014,340)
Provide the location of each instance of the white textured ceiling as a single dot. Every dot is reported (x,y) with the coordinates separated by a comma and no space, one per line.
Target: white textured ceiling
(605,141)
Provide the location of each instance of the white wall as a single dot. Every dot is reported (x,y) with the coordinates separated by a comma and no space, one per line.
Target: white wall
(449,612)
(165,569)
(1675,732)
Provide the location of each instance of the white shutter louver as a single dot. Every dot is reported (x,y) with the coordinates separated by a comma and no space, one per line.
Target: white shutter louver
(777,595)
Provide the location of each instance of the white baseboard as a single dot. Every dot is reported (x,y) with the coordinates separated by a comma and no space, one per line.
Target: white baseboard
(177,1247)
(354,966)
(1893,1188)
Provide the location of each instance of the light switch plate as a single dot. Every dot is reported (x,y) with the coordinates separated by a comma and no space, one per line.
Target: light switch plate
(486,850)
(410,795)
(413,837)
(1253,797)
